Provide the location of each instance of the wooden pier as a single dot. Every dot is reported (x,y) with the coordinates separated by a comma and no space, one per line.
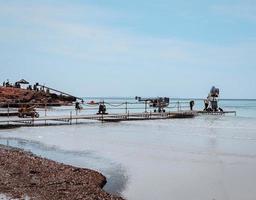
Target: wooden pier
(120,111)
(216,113)
(9,114)
(79,119)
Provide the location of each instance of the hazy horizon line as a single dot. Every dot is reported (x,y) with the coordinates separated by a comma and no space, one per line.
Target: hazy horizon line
(181,98)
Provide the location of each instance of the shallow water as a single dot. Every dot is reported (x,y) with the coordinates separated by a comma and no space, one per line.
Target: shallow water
(209,157)
(4,197)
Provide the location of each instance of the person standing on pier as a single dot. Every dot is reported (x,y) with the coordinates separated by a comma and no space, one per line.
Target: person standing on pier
(191,104)
(77,106)
(206,104)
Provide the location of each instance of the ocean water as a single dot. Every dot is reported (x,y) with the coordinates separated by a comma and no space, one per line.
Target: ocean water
(208,157)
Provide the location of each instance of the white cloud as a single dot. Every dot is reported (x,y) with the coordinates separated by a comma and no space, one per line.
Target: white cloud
(64,31)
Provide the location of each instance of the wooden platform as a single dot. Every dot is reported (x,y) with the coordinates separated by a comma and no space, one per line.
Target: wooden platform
(78,119)
(216,113)
(6,114)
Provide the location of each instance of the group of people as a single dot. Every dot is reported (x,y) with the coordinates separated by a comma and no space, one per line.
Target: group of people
(102,108)
(7,84)
(29,87)
(211,104)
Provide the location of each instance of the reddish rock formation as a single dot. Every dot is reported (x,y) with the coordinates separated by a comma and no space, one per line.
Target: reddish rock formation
(13,96)
(24,174)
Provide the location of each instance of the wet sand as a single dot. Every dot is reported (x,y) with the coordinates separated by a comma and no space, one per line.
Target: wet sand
(24,174)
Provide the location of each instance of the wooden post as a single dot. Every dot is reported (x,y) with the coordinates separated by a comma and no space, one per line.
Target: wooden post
(102,117)
(76,115)
(126,108)
(45,109)
(146,106)
(8,113)
(33,119)
(70,120)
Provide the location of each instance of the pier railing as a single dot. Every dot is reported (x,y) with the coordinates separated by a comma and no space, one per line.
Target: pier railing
(115,111)
(127,106)
(88,108)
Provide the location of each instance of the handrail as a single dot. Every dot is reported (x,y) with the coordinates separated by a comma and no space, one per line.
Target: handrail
(55,90)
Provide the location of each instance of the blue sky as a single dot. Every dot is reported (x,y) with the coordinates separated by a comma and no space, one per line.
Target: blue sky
(128,48)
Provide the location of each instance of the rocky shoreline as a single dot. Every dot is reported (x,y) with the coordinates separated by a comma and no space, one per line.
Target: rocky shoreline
(12,97)
(25,174)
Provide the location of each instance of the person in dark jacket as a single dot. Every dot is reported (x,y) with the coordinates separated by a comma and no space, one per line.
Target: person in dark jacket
(77,106)
(206,104)
(191,104)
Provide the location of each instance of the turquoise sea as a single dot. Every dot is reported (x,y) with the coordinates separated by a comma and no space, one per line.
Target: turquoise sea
(205,158)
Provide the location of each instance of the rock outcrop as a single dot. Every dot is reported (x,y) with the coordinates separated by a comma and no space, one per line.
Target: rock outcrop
(13,96)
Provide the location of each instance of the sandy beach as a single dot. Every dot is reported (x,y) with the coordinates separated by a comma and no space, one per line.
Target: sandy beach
(22,174)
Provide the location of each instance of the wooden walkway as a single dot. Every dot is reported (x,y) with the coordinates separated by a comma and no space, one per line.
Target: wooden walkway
(78,119)
(216,113)
(14,121)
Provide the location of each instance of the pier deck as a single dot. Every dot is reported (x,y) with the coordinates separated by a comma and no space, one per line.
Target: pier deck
(78,119)
(10,119)
(216,113)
